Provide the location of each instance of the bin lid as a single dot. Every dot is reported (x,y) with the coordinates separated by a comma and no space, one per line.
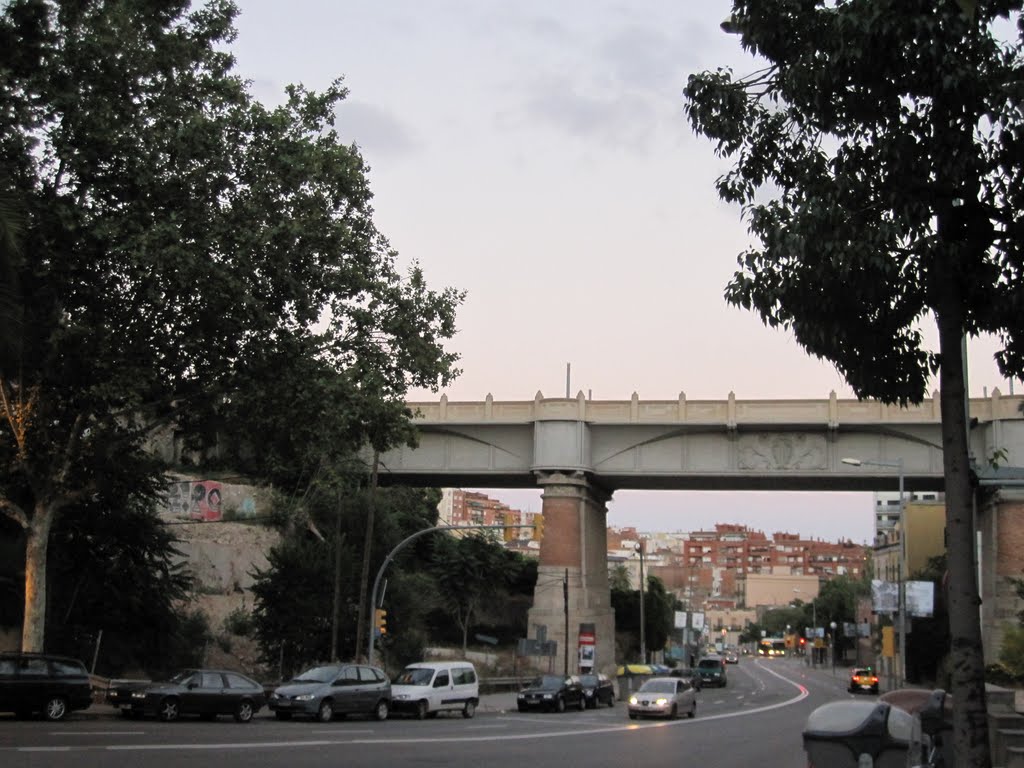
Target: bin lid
(844,717)
(854,718)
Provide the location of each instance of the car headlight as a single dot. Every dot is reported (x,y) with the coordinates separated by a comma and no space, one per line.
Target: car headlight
(139,695)
(400,696)
(661,702)
(274,696)
(632,700)
(305,697)
(548,695)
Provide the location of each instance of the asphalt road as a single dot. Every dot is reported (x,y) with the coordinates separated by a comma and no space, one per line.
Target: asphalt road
(757,721)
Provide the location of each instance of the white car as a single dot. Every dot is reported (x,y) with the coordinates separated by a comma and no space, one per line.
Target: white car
(663,697)
(429,687)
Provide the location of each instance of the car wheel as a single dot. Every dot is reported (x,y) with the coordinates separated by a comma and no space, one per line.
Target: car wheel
(56,708)
(582,705)
(326,711)
(380,712)
(674,713)
(469,710)
(244,712)
(283,715)
(421,710)
(168,710)
(560,704)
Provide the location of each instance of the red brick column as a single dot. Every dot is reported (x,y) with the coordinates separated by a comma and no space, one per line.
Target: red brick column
(574,563)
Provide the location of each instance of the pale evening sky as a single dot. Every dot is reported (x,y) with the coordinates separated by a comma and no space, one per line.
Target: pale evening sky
(536,155)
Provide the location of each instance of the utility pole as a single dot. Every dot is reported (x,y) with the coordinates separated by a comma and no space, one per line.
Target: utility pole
(336,606)
(367,550)
(643,620)
(565,602)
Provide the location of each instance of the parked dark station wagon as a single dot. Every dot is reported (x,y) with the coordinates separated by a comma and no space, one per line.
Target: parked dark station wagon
(33,683)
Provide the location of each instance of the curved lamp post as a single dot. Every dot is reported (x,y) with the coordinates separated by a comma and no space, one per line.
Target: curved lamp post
(902,606)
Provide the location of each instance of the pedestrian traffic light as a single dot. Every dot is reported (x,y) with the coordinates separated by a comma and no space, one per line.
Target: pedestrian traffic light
(381,621)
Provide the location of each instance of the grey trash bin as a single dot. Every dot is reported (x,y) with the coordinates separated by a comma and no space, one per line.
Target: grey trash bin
(857,734)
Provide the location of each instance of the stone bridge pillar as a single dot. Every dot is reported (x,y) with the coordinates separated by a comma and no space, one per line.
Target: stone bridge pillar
(573,570)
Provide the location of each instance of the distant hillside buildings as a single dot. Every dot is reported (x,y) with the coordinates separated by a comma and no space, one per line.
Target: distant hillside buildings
(731,567)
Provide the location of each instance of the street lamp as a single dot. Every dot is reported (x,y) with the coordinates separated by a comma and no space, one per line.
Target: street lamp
(643,637)
(832,625)
(898,466)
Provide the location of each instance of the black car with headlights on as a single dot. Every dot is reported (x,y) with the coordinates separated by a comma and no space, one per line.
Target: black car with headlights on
(203,692)
(597,690)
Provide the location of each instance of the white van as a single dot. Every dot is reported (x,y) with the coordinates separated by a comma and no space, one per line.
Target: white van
(429,687)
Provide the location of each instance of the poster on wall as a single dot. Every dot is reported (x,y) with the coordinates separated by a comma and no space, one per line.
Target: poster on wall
(885,596)
(920,598)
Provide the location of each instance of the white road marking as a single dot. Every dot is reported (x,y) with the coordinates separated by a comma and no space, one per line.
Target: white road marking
(97,733)
(575,731)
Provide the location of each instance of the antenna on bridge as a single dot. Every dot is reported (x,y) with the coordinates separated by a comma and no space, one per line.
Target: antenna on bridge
(568,367)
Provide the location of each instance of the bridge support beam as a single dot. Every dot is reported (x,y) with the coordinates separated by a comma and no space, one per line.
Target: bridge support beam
(572,574)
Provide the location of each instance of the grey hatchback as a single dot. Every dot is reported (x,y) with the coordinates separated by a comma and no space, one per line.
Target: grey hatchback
(334,689)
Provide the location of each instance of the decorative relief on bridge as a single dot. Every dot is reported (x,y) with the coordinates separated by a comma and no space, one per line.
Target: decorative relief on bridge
(787,451)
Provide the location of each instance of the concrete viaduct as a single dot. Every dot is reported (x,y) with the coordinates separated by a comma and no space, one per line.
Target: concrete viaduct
(580,451)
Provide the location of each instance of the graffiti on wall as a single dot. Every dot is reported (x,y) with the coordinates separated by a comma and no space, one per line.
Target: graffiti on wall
(210,500)
(199,499)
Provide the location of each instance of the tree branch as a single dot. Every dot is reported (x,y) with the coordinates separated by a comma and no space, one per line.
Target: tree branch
(14,512)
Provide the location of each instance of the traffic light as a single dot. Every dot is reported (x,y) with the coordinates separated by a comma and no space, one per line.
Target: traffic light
(510,534)
(381,621)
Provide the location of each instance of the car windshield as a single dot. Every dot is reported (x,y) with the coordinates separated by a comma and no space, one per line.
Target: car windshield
(658,686)
(415,677)
(589,681)
(547,681)
(317,675)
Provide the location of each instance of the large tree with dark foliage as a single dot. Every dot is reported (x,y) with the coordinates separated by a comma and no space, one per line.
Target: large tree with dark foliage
(187,257)
(294,593)
(878,159)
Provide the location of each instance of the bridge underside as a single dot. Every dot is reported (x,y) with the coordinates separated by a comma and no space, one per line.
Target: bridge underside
(580,452)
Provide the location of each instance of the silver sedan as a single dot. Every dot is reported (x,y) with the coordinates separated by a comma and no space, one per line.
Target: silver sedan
(663,697)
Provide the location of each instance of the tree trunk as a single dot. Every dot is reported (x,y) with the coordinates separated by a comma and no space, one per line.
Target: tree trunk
(970,715)
(37,541)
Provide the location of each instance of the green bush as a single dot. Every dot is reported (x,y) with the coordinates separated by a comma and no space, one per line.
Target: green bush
(1011,654)
(239,622)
